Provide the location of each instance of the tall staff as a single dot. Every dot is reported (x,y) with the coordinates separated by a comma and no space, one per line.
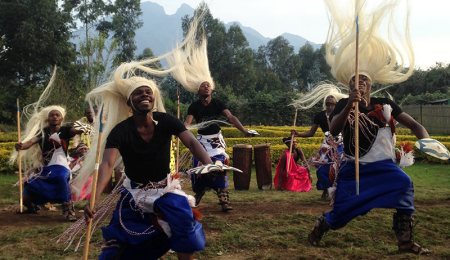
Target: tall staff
(19,156)
(94,188)
(357,103)
(177,159)
(292,140)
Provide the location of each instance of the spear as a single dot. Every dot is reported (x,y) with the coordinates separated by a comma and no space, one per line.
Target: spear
(19,161)
(177,160)
(94,187)
(292,141)
(357,105)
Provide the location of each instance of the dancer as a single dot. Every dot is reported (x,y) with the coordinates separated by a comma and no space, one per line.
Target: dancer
(44,146)
(382,183)
(324,160)
(153,214)
(48,180)
(191,70)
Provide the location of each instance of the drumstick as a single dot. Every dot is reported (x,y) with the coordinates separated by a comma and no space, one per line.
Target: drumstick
(292,140)
(19,160)
(94,187)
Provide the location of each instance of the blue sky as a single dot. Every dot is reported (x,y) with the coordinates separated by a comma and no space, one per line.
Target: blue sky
(430,21)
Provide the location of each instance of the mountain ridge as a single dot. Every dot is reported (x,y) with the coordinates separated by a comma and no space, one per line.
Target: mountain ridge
(161,32)
(167,29)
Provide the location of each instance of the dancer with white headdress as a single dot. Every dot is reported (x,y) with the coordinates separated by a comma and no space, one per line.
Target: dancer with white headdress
(328,156)
(45,146)
(191,70)
(385,61)
(152,213)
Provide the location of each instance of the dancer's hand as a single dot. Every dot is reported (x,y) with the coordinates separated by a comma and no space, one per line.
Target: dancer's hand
(294,133)
(19,146)
(88,213)
(55,143)
(56,140)
(354,97)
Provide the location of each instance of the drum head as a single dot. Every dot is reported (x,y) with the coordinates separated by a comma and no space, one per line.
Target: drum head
(433,147)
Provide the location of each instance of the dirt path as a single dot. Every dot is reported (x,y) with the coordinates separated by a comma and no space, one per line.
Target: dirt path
(9,217)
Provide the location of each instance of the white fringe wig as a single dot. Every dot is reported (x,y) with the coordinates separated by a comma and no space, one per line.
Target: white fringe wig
(386,56)
(112,98)
(37,120)
(319,92)
(190,59)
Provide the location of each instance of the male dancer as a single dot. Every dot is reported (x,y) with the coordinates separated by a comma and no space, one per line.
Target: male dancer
(153,214)
(382,183)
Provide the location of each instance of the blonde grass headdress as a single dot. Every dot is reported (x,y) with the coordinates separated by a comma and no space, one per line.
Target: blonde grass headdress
(319,92)
(386,56)
(189,60)
(111,98)
(37,121)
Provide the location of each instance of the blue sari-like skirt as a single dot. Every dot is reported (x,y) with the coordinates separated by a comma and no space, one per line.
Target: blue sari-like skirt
(143,238)
(382,185)
(323,179)
(52,185)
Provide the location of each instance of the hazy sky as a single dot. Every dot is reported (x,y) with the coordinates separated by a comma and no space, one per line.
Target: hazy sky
(430,21)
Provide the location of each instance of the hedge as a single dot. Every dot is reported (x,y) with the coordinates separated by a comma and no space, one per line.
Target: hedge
(269,134)
(6,148)
(265,131)
(283,131)
(8,137)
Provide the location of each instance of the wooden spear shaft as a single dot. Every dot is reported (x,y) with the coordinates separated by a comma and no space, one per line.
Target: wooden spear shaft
(177,159)
(357,109)
(94,187)
(292,141)
(19,160)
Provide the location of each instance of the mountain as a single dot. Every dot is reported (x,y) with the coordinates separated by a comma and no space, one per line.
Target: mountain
(161,32)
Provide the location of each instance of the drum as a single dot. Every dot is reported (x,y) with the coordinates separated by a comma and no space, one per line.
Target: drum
(242,159)
(263,165)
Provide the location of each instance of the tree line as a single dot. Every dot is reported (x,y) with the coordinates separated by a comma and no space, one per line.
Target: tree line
(257,84)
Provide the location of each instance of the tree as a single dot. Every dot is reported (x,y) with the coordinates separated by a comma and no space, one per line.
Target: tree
(282,60)
(306,55)
(148,53)
(92,14)
(37,35)
(96,55)
(239,70)
(125,21)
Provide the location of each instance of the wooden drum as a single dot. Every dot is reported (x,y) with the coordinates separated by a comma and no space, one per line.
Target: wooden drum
(242,159)
(263,165)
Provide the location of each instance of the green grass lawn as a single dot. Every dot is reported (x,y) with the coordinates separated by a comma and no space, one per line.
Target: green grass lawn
(263,225)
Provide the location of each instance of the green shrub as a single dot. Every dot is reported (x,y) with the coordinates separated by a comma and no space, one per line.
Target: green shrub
(8,137)
(269,134)
(6,148)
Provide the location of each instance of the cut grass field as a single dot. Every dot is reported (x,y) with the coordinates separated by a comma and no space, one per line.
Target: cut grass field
(263,225)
